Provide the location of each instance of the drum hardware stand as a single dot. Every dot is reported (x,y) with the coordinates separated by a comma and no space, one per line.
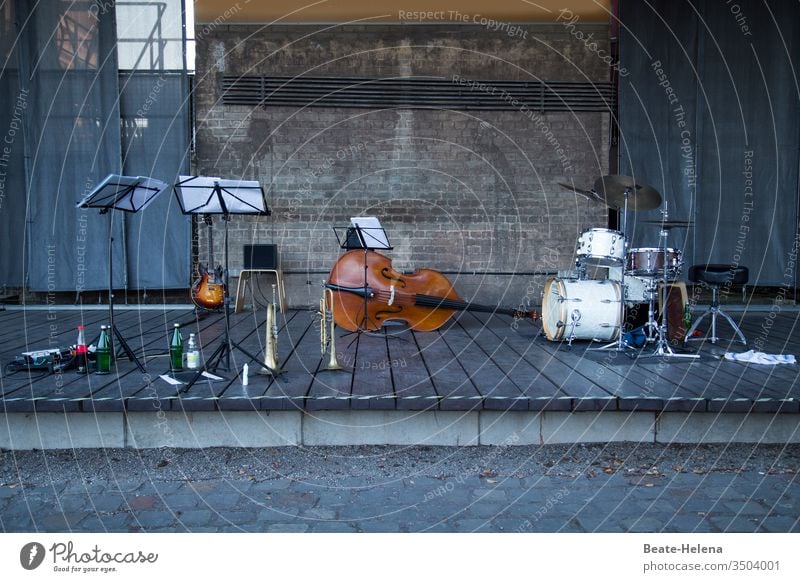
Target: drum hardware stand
(662,347)
(580,270)
(620,345)
(651,326)
(576,317)
(129,194)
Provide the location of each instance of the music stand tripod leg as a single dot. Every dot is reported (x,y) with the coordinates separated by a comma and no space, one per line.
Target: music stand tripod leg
(114,332)
(127,349)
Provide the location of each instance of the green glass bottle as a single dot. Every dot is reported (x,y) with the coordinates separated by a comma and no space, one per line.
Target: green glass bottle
(687,316)
(176,350)
(103,352)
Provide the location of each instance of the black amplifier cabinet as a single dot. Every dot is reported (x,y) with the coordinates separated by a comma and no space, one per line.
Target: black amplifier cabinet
(260,257)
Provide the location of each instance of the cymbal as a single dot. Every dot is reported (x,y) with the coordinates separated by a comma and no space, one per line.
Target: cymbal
(640,196)
(590,194)
(667,224)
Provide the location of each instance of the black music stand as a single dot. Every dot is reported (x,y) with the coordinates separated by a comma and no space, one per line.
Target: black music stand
(208,195)
(128,194)
(364,232)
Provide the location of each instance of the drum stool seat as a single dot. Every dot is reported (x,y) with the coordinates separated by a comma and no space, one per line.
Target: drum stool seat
(715,276)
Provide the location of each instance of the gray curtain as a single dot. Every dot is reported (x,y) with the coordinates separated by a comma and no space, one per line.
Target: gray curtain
(710,116)
(61,121)
(13,110)
(156,143)
(69,67)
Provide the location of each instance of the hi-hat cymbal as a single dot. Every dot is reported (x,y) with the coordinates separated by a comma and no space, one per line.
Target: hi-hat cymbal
(667,224)
(590,194)
(615,188)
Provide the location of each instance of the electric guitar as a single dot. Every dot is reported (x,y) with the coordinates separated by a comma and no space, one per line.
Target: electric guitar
(208,291)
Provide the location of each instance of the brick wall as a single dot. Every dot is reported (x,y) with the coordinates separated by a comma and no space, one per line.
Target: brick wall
(461,191)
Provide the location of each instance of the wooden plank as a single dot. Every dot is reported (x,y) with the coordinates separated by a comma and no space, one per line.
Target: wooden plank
(743,380)
(299,352)
(246,333)
(412,382)
(60,331)
(70,386)
(209,330)
(147,391)
(453,385)
(778,334)
(252,397)
(331,390)
(13,322)
(372,374)
(528,344)
(678,384)
(148,336)
(489,364)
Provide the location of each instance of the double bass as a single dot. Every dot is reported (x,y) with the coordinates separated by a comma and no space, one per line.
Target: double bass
(424,299)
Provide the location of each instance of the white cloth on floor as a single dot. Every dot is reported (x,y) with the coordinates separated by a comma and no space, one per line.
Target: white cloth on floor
(754,357)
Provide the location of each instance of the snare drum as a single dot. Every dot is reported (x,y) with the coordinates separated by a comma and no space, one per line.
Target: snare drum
(592,305)
(601,247)
(649,262)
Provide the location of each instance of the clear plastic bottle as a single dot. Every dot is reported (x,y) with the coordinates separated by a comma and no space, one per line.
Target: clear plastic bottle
(192,353)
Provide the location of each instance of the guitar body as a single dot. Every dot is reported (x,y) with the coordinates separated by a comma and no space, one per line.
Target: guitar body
(208,291)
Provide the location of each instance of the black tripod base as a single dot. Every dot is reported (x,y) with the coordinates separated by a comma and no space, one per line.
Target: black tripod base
(221,358)
(124,348)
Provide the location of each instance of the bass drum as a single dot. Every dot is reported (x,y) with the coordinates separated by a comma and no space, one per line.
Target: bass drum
(594,306)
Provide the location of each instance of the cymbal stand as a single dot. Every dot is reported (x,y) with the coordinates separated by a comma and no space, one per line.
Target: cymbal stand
(662,347)
(620,345)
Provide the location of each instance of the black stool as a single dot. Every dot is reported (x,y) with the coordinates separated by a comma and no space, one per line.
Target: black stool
(715,276)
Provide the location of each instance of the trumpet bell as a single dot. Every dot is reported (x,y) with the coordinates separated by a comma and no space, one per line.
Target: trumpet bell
(271,366)
(328,335)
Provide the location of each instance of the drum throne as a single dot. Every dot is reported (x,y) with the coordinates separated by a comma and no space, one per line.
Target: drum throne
(714,276)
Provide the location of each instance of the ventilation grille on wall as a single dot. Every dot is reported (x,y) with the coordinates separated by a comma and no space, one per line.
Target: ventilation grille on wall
(417,93)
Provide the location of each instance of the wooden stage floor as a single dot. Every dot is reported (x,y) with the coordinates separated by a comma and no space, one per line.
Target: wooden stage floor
(475,362)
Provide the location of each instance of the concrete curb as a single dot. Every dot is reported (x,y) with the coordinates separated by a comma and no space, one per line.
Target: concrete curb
(143,430)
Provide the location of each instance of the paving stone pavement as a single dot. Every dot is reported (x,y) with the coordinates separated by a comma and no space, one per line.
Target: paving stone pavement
(746,501)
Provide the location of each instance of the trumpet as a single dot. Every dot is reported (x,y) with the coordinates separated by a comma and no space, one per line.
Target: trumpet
(327,329)
(271,365)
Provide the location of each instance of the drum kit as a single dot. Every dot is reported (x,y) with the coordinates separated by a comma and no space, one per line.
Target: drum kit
(577,307)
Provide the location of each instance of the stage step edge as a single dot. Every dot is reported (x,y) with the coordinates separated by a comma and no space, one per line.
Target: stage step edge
(146,430)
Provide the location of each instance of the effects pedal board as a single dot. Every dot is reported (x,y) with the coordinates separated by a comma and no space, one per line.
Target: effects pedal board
(52,360)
